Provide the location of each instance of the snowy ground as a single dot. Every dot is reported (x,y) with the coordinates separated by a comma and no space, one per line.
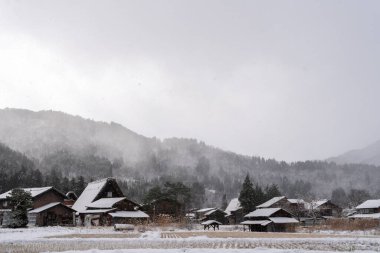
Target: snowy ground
(106,240)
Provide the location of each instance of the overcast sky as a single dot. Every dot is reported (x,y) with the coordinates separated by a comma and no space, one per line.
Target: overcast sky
(291,80)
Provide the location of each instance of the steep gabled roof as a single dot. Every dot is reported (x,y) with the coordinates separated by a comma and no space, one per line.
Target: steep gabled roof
(271,202)
(372,203)
(105,202)
(233,206)
(36,191)
(89,194)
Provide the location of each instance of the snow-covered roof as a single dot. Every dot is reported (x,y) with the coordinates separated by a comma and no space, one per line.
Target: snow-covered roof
(105,202)
(209,222)
(315,204)
(283,220)
(270,202)
(233,206)
(297,201)
(46,207)
(205,210)
(89,194)
(256,222)
(129,214)
(372,203)
(366,216)
(97,211)
(263,212)
(33,191)
(212,211)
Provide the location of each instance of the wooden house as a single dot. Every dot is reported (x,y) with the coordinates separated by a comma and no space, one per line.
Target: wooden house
(48,202)
(200,213)
(324,209)
(369,209)
(298,208)
(234,212)
(103,203)
(212,213)
(270,220)
(40,196)
(216,215)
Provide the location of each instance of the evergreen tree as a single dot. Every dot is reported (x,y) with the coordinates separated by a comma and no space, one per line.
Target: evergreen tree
(20,201)
(247,196)
(197,194)
(271,192)
(65,185)
(339,197)
(258,195)
(224,202)
(81,184)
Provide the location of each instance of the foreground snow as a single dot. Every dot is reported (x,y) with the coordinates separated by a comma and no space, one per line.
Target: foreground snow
(257,250)
(106,240)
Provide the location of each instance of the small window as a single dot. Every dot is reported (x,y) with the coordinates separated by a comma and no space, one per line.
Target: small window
(5,203)
(109,194)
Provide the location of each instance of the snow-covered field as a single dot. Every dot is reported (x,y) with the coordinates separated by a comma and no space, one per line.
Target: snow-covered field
(106,240)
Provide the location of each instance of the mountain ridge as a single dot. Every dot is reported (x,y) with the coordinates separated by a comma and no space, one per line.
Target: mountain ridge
(83,147)
(367,155)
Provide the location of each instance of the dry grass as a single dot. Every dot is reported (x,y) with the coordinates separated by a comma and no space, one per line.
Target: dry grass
(346,225)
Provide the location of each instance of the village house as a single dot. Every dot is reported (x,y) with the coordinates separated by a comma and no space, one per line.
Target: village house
(47,207)
(269,220)
(369,209)
(200,213)
(324,209)
(211,213)
(103,203)
(215,215)
(234,212)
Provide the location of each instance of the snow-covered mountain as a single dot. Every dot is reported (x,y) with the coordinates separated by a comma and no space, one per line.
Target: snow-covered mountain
(76,146)
(367,155)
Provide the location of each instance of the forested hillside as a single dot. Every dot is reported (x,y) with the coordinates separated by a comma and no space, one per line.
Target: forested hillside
(55,142)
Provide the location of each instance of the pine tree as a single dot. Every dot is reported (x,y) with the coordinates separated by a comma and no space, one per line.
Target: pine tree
(20,201)
(258,195)
(247,196)
(81,184)
(271,192)
(224,202)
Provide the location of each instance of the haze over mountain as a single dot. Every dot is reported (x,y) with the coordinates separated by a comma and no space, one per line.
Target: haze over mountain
(367,155)
(76,146)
